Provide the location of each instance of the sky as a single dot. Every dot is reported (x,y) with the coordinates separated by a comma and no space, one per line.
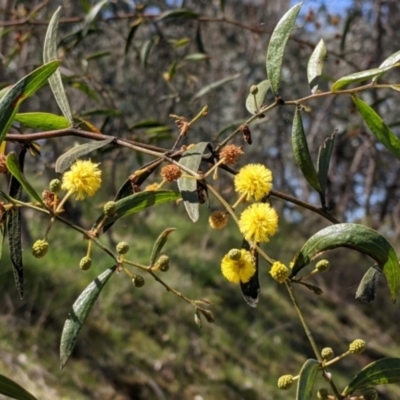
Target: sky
(335,7)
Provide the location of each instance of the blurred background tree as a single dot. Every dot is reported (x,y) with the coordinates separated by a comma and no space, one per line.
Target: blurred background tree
(127,66)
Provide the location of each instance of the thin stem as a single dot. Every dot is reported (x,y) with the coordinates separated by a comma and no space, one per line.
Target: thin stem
(303,322)
(251,119)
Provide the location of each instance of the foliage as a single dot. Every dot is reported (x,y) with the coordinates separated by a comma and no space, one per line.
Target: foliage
(197,169)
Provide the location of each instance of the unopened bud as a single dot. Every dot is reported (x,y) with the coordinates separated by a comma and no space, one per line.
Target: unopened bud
(323,265)
(55,185)
(39,248)
(357,346)
(122,248)
(138,281)
(109,208)
(327,353)
(254,89)
(85,263)
(285,382)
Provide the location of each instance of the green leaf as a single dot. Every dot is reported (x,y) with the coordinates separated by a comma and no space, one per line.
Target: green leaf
(197,57)
(191,159)
(11,389)
(50,54)
(212,86)
(145,51)
(367,288)
(24,88)
(159,244)
(133,28)
(255,101)
(67,159)
(277,45)
(375,123)
(13,228)
(85,88)
(305,384)
(324,157)
(42,121)
(389,62)
(128,186)
(315,65)
(92,15)
(359,77)
(80,310)
(138,202)
(356,237)
(381,372)
(301,152)
(178,13)
(97,55)
(13,166)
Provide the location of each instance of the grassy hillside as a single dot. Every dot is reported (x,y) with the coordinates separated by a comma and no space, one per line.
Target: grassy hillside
(144,344)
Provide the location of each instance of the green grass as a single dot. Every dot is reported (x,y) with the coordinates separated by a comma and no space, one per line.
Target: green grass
(140,342)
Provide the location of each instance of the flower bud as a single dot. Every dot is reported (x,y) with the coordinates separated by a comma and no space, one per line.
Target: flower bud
(285,382)
(85,263)
(322,394)
(327,353)
(254,89)
(357,346)
(39,248)
(323,265)
(122,248)
(109,208)
(162,263)
(370,394)
(138,281)
(235,254)
(55,185)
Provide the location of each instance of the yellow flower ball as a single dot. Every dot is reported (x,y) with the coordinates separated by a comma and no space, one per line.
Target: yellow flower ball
(84,178)
(279,272)
(254,181)
(258,222)
(240,270)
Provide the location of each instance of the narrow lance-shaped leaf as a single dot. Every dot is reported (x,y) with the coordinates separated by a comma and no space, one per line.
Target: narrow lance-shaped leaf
(133,28)
(375,123)
(251,289)
(11,389)
(277,45)
(92,15)
(145,51)
(191,159)
(13,166)
(359,77)
(178,13)
(68,158)
(159,244)
(305,384)
(356,237)
(381,372)
(367,288)
(315,66)
(138,202)
(255,101)
(50,54)
(24,88)
(324,157)
(390,61)
(14,230)
(301,152)
(128,186)
(80,310)
(212,86)
(42,121)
